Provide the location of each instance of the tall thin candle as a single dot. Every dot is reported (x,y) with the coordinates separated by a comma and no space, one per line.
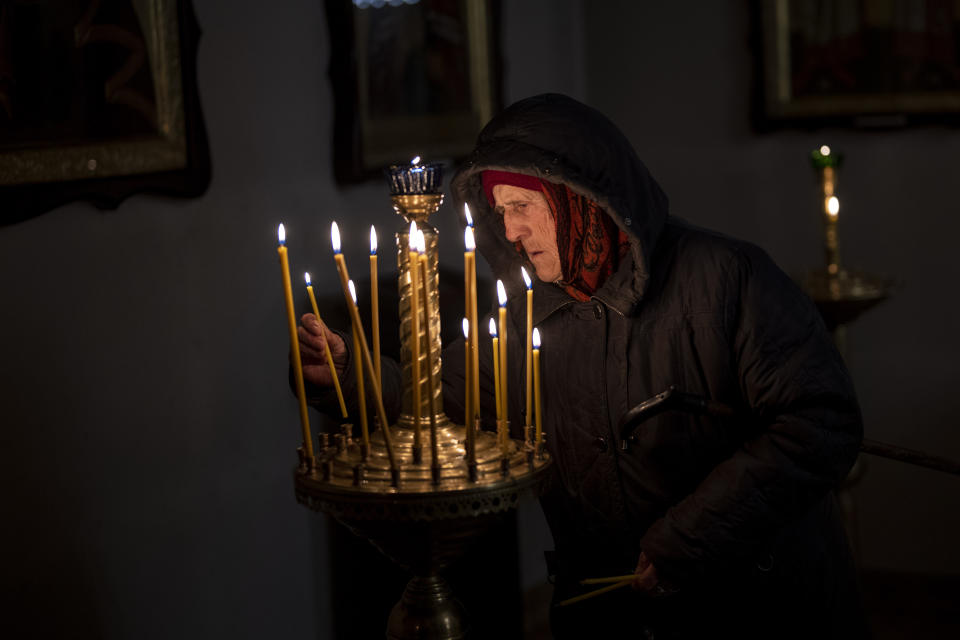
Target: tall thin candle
(474,361)
(356,322)
(375,304)
(413,263)
(468,383)
(326,349)
(504,370)
(294,342)
(496,369)
(536,387)
(361,394)
(529,352)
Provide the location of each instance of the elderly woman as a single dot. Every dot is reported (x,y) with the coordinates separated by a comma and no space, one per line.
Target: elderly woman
(730,525)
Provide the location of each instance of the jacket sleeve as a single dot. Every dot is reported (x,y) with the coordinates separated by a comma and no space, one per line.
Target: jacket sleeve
(804,429)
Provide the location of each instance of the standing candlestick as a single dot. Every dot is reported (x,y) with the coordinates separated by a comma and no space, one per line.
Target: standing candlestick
(504,370)
(375,304)
(361,394)
(468,421)
(538,439)
(529,352)
(470,262)
(431,386)
(356,322)
(294,342)
(414,263)
(468,383)
(496,370)
(326,349)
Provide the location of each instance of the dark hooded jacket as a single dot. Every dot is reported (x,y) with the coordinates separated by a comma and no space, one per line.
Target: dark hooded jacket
(737,513)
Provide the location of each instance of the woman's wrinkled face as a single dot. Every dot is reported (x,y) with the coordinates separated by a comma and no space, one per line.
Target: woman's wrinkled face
(527,220)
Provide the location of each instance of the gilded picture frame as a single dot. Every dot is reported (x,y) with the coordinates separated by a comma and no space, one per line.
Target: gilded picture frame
(870,63)
(410,77)
(98,101)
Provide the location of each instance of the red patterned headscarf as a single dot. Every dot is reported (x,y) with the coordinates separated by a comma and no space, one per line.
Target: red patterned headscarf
(591,244)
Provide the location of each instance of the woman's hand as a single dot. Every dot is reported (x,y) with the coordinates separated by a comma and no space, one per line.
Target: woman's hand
(314,336)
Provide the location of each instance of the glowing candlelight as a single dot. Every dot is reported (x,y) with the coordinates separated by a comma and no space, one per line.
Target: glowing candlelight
(833,207)
(496,369)
(504,371)
(529,351)
(470,269)
(431,387)
(326,349)
(538,439)
(466,214)
(413,263)
(361,394)
(294,342)
(358,324)
(375,304)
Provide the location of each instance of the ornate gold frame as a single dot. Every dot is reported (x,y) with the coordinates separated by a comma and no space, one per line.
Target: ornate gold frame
(174,161)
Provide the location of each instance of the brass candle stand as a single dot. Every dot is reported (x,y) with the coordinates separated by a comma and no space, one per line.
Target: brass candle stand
(424,514)
(840,294)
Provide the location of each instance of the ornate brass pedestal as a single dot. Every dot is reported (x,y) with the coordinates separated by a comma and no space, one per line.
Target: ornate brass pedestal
(423,512)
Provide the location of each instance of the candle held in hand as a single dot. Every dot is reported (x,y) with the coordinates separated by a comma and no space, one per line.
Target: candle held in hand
(326,349)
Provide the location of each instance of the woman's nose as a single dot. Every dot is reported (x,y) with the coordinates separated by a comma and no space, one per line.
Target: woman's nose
(513,231)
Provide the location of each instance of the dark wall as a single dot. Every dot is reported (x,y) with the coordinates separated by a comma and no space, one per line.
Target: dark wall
(147,430)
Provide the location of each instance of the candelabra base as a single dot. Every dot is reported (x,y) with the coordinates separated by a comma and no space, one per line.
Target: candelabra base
(427,611)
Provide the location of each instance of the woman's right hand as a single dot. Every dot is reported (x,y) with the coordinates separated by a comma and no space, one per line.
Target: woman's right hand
(314,336)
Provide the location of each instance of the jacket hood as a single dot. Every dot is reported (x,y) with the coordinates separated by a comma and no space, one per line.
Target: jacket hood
(556,138)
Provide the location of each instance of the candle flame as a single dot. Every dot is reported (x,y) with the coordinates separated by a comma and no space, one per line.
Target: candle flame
(373,240)
(306,276)
(335,237)
(833,206)
(412,236)
(468,240)
(281,234)
(536,338)
(466,328)
(466,212)
(824,150)
(353,291)
(526,278)
(493,328)
(415,161)
(421,243)
(501,293)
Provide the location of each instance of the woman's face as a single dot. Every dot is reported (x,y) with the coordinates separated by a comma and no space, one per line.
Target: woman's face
(527,220)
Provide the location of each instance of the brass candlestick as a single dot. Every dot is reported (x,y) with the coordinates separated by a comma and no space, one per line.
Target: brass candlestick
(440,501)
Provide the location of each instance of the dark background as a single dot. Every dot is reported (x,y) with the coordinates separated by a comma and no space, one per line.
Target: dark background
(148,433)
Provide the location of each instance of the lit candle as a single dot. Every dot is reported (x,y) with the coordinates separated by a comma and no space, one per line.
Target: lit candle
(470,264)
(413,264)
(356,322)
(536,387)
(375,304)
(529,352)
(467,402)
(431,387)
(504,371)
(294,343)
(496,369)
(326,348)
(361,394)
